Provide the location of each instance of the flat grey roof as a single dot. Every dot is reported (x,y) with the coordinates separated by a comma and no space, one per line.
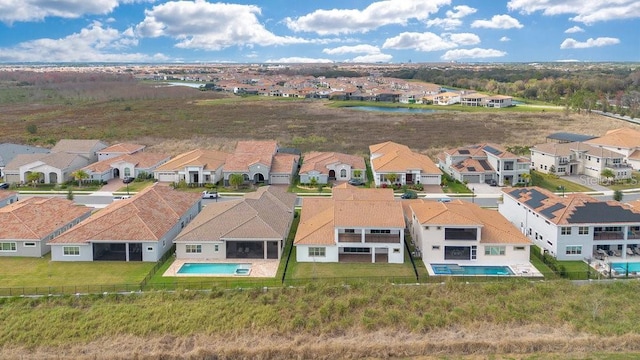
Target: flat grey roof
(570,137)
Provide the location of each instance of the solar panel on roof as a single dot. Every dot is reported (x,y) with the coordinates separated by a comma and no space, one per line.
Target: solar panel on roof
(536,198)
(464,152)
(491,150)
(485,165)
(548,212)
(601,212)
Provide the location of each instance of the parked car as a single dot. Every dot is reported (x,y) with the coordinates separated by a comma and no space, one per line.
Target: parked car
(121,197)
(356,182)
(210,194)
(493,182)
(409,195)
(444,200)
(4,186)
(128,179)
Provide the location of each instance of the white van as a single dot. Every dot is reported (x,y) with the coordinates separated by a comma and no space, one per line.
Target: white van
(121,197)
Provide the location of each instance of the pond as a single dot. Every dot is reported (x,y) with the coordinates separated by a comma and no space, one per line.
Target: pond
(393,109)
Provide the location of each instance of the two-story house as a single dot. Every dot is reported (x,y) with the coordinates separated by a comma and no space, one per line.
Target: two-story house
(352,225)
(406,167)
(625,141)
(573,227)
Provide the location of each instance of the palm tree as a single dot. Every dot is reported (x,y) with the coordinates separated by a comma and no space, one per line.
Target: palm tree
(526,177)
(236,180)
(79,176)
(357,173)
(392,178)
(33,178)
(608,174)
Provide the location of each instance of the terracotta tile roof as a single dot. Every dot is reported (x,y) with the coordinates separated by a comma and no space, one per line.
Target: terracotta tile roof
(251,152)
(399,158)
(35,218)
(284,163)
(265,214)
(495,229)
(471,166)
(319,161)
(77,145)
(147,216)
(635,155)
(142,160)
(623,138)
(209,159)
(348,207)
(5,194)
(125,148)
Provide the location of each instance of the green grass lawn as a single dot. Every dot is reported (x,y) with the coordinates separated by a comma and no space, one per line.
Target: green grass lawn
(553,184)
(135,186)
(633,183)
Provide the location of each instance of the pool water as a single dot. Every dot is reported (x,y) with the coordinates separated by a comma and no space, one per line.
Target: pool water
(454,269)
(215,269)
(624,267)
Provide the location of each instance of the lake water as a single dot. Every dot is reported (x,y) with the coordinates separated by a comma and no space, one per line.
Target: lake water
(393,109)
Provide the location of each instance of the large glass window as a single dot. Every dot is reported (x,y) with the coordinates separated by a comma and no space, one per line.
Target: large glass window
(583,230)
(494,250)
(574,250)
(317,252)
(343,173)
(193,248)
(8,246)
(71,250)
(565,230)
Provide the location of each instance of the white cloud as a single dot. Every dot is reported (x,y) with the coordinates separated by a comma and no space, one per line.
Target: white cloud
(587,12)
(372,58)
(299,60)
(474,53)
(379,13)
(429,41)
(210,26)
(452,20)
(575,29)
(598,42)
(356,49)
(498,22)
(94,43)
(36,10)
(504,39)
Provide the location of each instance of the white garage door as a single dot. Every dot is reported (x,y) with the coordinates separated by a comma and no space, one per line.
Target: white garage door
(279,179)
(166,177)
(473,179)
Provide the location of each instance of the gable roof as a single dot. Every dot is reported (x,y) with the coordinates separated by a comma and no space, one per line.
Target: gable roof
(57,160)
(77,145)
(208,159)
(35,218)
(284,163)
(147,216)
(124,148)
(142,160)
(566,149)
(319,161)
(393,157)
(264,214)
(623,138)
(9,151)
(251,152)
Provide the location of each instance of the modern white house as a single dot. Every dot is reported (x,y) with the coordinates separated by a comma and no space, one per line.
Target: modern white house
(330,166)
(354,224)
(140,228)
(573,227)
(464,233)
(625,141)
(126,165)
(119,149)
(407,167)
(200,166)
(8,151)
(260,162)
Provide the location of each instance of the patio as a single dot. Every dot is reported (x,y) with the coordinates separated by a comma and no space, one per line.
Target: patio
(259,268)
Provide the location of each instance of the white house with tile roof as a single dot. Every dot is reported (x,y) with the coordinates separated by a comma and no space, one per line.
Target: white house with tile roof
(409,167)
(352,225)
(54,168)
(464,233)
(125,165)
(326,166)
(260,162)
(119,149)
(253,227)
(200,166)
(625,141)
(29,224)
(573,227)
(141,228)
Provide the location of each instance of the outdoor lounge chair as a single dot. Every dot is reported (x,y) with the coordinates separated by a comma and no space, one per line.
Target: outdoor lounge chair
(630,252)
(617,253)
(636,250)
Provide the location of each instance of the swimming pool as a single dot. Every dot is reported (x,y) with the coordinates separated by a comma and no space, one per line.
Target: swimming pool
(215,269)
(622,268)
(454,269)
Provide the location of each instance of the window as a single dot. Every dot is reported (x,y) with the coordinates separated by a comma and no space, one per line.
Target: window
(396,251)
(127,171)
(150,248)
(343,173)
(71,250)
(357,250)
(216,247)
(317,252)
(349,231)
(193,249)
(565,230)
(494,250)
(583,230)
(574,250)
(426,228)
(435,247)
(29,244)
(377,231)
(519,248)
(8,246)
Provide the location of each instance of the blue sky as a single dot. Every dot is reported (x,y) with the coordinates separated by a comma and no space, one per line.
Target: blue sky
(284,31)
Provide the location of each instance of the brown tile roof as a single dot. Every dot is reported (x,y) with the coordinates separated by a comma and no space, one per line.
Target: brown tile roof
(399,158)
(147,216)
(284,163)
(471,166)
(35,218)
(348,207)
(264,214)
(319,161)
(5,194)
(125,148)
(76,145)
(495,229)
(251,152)
(142,160)
(623,138)
(209,159)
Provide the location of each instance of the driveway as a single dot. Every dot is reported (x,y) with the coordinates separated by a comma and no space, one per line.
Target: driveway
(112,185)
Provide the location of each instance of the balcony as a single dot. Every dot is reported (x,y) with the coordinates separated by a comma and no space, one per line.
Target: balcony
(369,238)
(608,235)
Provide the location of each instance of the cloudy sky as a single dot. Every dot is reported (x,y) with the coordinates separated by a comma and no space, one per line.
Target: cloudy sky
(294,31)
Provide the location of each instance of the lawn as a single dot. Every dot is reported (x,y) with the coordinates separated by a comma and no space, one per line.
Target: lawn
(632,183)
(553,183)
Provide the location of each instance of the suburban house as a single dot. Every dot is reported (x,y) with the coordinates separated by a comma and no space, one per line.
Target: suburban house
(464,233)
(126,165)
(328,166)
(578,158)
(8,151)
(446,98)
(406,166)
(55,167)
(625,141)
(119,150)
(29,224)
(573,227)
(7,197)
(141,228)
(354,224)
(253,227)
(484,163)
(259,162)
(198,166)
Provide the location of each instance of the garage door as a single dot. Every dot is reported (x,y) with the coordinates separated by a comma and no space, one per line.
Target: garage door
(474,179)
(166,177)
(279,179)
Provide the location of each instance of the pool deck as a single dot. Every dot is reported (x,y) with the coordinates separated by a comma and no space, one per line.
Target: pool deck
(519,270)
(259,268)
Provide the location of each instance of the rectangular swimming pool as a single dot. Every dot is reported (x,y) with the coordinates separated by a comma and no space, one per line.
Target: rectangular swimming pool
(622,268)
(215,269)
(469,270)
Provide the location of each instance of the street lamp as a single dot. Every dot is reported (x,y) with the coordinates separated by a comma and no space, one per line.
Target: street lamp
(473,195)
(561,188)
